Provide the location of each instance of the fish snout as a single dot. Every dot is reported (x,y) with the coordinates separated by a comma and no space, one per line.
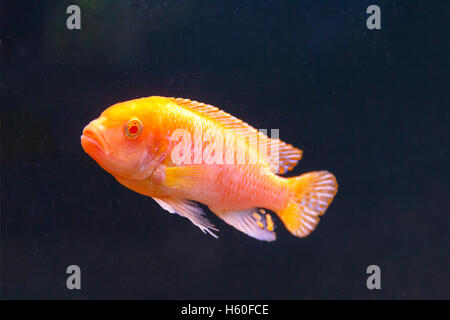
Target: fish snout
(92,137)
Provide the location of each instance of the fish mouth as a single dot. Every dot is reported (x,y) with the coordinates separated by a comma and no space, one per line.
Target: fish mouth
(92,137)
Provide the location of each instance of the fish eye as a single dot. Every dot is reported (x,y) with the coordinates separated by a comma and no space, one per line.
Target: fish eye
(133,128)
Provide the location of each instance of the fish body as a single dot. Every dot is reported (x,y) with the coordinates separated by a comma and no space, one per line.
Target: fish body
(178,151)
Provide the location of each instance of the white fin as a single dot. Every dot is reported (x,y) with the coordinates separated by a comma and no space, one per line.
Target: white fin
(190,210)
(254,222)
(288,156)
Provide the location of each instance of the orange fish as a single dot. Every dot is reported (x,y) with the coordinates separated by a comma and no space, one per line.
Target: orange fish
(180,152)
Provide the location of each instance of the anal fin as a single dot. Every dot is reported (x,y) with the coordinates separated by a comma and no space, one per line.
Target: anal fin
(254,222)
(189,210)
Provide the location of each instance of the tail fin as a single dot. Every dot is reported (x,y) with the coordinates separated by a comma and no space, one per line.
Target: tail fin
(312,193)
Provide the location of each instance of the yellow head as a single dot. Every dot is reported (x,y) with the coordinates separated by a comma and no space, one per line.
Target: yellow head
(126,139)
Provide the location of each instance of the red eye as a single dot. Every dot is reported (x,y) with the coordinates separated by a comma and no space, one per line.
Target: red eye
(133,129)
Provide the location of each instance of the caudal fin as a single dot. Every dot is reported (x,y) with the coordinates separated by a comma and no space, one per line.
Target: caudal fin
(312,193)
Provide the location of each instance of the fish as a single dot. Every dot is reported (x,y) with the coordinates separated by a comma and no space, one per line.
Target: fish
(183,153)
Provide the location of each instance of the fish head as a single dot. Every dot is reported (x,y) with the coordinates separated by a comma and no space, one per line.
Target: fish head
(124,141)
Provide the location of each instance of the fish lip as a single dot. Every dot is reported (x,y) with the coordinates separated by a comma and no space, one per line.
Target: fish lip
(94,136)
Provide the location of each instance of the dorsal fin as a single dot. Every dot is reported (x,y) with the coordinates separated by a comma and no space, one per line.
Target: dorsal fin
(288,156)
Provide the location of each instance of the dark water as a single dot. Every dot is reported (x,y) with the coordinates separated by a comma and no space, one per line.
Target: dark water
(370,106)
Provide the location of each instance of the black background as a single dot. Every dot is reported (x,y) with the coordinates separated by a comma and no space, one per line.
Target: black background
(371,106)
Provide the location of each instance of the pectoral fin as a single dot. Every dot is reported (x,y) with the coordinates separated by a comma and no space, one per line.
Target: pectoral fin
(188,176)
(190,210)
